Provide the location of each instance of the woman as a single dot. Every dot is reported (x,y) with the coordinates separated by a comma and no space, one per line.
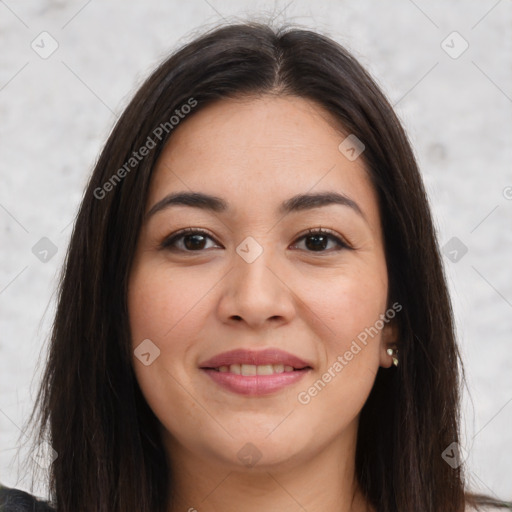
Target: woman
(253,313)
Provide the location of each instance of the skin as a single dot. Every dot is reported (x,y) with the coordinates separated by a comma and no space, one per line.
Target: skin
(256,153)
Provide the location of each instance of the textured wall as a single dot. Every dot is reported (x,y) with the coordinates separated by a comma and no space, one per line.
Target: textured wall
(56,110)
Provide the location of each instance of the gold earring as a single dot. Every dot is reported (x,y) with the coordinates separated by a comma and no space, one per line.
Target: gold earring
(390,352)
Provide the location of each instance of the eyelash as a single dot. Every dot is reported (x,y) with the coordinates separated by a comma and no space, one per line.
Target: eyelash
(172,239)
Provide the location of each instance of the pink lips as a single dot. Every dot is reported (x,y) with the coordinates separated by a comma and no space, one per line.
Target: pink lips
(255,384)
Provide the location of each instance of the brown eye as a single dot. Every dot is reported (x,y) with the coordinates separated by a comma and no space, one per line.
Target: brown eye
(318,241)
(191,240)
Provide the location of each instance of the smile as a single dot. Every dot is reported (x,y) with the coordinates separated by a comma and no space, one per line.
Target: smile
(251,369)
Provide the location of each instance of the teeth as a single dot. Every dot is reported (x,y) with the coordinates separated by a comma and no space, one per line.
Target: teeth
(251,369)
(248,369)
(265,369)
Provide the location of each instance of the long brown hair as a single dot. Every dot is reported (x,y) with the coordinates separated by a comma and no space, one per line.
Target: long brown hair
(110,454)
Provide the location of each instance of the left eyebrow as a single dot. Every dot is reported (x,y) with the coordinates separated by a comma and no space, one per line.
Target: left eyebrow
(296,203)
(317,200)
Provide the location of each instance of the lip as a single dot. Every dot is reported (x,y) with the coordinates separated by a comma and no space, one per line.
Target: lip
(255,385)
(261,357)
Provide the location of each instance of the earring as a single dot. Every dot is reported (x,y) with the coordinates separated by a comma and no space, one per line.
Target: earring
(390,352)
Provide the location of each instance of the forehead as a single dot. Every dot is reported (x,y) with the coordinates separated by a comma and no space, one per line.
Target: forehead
(259,151)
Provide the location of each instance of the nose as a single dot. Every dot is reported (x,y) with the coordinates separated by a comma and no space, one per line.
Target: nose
(257,292)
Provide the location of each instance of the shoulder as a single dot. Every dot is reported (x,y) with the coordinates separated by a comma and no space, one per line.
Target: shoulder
(14,500)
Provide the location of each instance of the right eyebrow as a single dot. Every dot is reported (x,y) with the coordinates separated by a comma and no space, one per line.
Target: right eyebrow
(193,199)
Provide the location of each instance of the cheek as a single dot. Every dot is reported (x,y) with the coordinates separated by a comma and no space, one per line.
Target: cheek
(349,309)
(160,303)
(349,304)
(165,309)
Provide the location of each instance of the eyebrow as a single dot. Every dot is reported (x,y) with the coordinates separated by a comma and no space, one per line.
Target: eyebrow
(215,204)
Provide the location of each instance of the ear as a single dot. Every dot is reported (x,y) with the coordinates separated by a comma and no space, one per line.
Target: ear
(389,339)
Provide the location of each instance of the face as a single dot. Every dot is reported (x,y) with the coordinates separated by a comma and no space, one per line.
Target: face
(248,276)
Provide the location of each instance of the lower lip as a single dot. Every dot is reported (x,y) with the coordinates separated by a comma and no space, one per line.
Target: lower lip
(255,384)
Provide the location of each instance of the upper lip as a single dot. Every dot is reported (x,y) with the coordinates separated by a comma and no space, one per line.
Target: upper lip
(261,357)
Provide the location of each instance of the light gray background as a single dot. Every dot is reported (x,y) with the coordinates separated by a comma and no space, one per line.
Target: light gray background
(56,113)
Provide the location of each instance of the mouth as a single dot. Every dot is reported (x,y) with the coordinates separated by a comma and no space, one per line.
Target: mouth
(255,373)
(248,370)
(251,362)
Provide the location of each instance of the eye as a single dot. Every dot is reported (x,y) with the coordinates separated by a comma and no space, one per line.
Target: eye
(195,240)
(318,239)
